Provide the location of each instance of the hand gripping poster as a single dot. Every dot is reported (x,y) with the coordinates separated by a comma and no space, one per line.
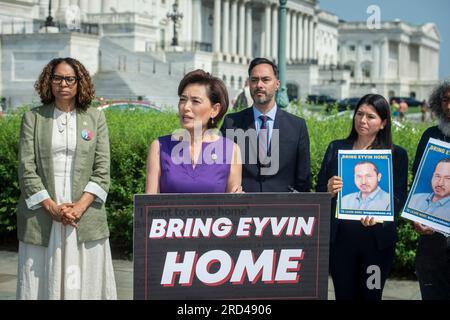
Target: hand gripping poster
(367,185)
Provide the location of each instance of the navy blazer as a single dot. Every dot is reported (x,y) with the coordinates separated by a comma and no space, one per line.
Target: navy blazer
(294,161)
(385,232)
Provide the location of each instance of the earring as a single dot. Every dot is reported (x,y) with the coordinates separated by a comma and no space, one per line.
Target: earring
(212,121)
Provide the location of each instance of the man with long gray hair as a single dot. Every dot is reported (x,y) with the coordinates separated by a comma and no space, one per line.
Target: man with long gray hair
(433,252)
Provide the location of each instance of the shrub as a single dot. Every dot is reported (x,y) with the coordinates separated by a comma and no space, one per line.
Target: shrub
(130,136)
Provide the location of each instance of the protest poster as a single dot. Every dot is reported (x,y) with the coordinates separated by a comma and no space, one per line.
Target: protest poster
(231,246)
(429,199)
(367,185)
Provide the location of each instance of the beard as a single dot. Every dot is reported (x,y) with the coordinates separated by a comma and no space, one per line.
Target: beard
(444,126)
(262,100)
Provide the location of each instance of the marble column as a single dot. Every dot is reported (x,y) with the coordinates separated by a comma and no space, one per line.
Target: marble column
(274,32)
(43,9)
(403,60)
(294,54)
(314,44)
(63,5)
(249,31)
(225,26)
(234,26)
(358,64)
(95,6)
(376,61)
(106,6)
(268,25)
(288,35)
(241,47)
(299,40)
(311,38)
(196,23)
(305,26)
(384,57)
(217,26)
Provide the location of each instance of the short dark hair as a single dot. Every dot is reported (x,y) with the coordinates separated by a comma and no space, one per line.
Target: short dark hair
(258,61)
(85,89)
(215,90)
(443,160)
(367,162)
(383,140)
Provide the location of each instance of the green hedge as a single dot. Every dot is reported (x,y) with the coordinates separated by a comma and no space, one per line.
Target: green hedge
(130,136)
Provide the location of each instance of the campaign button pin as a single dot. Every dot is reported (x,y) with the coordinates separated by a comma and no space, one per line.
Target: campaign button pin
(86,135)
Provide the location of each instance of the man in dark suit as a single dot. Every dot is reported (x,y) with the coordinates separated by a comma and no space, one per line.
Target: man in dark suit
(274,143)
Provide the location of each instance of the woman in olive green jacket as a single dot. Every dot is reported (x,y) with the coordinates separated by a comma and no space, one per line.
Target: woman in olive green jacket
(64,179)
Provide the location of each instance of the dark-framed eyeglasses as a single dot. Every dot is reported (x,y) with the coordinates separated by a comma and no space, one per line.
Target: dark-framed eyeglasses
(70,81)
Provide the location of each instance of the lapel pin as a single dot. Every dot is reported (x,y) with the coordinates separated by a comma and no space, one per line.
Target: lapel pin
(86,135)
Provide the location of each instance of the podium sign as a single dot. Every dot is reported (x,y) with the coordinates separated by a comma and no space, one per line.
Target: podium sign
(231,246)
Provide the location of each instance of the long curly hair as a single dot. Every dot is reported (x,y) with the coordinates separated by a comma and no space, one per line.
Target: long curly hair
(85,90)
(436,97)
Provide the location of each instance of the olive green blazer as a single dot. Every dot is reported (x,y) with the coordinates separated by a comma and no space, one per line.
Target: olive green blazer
(91,163)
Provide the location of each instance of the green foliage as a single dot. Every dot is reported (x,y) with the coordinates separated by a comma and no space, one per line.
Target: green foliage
(130,136)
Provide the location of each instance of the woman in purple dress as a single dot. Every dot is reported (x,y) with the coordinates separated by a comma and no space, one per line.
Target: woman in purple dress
(196,159)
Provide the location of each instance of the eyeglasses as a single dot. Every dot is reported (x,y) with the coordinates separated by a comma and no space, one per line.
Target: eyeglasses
(70,81)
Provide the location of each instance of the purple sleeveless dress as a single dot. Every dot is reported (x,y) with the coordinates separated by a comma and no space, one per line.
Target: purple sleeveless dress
(210,174)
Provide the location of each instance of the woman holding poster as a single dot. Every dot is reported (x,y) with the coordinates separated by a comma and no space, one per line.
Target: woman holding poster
(362,252)
(196,159)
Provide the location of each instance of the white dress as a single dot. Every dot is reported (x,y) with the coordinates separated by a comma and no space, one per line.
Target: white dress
(65,269)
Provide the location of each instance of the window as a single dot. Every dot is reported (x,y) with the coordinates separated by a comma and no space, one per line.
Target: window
(368,47)
(352,48)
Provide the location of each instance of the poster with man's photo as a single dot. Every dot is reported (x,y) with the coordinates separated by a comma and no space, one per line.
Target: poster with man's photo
(367,185)
(429,199)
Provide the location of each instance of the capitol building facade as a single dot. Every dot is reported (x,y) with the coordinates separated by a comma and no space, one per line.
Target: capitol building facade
(128,47)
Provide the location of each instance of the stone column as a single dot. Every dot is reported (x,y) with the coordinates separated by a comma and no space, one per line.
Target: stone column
(225,26)
(403,61)
(94,6)
(234,26)
(242,32)
(84,8)
(384,57)
(61,12)
(274,37)
(299,40)
(249,31)
(268,25)
(288,35)
(314,44)
(217,28)
(43,9)
(358,66)
(106,6)
(376,61)
(305,38)
(311,38)
(294,54)
(196,23)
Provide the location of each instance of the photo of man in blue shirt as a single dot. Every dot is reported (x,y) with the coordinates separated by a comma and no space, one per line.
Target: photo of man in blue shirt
(370,196)
(437,202)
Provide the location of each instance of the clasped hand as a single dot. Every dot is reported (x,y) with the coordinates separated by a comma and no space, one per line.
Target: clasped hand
(70,214)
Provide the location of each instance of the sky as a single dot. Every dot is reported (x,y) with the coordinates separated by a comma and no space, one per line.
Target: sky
(410,11)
